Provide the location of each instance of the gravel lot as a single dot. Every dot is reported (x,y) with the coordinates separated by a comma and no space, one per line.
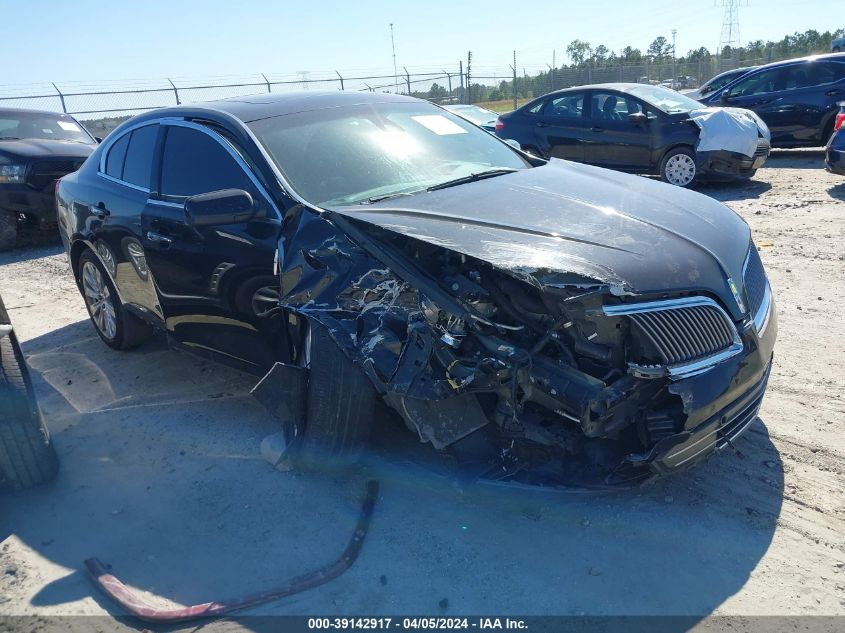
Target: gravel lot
(161,475)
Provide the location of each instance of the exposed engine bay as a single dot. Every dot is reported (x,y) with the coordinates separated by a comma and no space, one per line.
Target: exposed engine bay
(520,381)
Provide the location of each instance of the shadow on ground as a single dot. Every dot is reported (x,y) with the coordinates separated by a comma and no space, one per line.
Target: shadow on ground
(837,192)
(801,158)
(734,190)
(161,477)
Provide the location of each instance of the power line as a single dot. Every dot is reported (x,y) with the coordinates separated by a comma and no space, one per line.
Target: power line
(730,24)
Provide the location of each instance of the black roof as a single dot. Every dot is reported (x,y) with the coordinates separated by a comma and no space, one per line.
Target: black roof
(31,111)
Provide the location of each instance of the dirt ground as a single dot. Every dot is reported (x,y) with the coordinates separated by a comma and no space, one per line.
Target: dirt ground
(161,475)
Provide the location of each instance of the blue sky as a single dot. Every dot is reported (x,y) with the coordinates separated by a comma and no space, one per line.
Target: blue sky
(132,39)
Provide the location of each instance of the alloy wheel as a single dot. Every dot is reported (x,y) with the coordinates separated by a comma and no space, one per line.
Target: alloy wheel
(99,300)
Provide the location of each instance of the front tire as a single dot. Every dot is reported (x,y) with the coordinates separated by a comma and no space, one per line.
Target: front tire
(27,457)
(118,328)
(340,408)
(678,167)
(8,230)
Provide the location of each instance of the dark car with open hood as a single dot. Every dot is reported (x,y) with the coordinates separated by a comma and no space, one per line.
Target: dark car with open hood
(36,149)
(545,322)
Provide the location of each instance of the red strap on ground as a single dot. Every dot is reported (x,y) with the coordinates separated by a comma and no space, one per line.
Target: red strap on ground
(121,594)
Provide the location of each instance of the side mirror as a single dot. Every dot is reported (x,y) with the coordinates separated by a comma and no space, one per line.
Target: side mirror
(227,206)
(513,143)
(98,139)
(725,97)
(638,118)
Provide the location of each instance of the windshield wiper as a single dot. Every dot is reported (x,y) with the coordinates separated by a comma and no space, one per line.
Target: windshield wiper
(388,196)
(10,138)
(471,178)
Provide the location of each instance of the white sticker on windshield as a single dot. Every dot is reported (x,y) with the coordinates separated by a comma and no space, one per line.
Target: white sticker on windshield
(68,126)
(439,124)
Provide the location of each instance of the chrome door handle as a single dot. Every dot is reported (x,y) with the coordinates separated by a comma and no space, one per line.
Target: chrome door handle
(158,237)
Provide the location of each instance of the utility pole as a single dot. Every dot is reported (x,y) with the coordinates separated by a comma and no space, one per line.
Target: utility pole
(674,57)
(469,81)
(395,72)
(513,68)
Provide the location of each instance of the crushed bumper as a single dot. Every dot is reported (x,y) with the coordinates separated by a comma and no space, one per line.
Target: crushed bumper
(732,165)
(721,404)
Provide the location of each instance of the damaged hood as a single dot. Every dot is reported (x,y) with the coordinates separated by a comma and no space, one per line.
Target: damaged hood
(565,224)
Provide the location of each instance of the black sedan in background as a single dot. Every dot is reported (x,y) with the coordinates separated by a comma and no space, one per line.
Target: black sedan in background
(797,98)
(834,158)
(36,149)
(551,320)
(630,127)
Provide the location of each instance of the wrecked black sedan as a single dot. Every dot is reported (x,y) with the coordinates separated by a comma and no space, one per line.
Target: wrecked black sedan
(545,321)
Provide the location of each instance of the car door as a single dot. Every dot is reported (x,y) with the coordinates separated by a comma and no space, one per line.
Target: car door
(213,280)
(116,199)
(613,140)
(562,126)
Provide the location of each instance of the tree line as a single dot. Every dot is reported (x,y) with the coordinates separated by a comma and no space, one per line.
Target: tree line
(589,63)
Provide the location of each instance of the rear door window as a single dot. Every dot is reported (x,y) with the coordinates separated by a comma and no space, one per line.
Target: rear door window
(116,156)
(138,163)
(193,163)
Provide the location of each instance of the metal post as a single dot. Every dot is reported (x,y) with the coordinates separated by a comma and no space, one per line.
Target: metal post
(449,77)
(61,98)
(176,92)
(461,74)
(513,68)
(266,82)
(341,81)
(407,79)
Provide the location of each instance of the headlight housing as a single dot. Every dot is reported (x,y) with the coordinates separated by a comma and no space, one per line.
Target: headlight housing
(12,174)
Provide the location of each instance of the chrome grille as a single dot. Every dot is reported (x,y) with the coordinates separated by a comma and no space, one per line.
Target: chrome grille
(688,335)
(684,334)
(754,279)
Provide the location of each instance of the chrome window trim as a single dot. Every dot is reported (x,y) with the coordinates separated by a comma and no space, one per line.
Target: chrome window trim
(681,370)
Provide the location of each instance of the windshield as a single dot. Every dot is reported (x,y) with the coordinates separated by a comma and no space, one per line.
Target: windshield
(15,125)
(663,99)
(477,115)
(357,154)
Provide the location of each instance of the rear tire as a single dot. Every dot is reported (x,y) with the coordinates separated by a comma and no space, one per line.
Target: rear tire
(117,327)
(27,457)
(678,167)
(340,408)
(8,230)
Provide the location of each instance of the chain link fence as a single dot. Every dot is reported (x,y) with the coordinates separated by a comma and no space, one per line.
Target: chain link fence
(103,105)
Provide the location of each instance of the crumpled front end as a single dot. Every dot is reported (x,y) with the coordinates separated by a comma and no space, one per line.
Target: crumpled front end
(534,377)
(733,142)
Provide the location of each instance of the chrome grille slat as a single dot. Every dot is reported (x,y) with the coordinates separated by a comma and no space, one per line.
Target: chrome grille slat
(686,335)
